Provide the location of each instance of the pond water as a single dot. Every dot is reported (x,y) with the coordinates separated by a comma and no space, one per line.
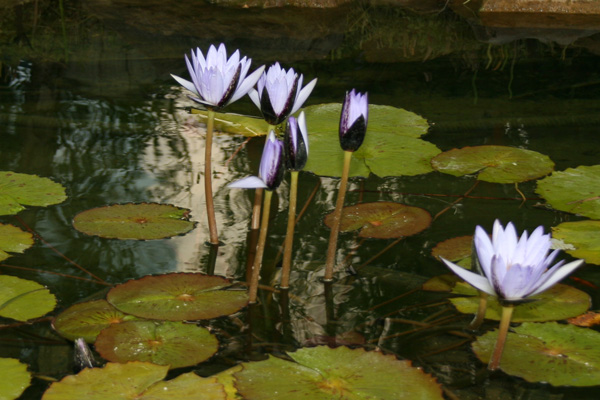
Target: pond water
(111,126)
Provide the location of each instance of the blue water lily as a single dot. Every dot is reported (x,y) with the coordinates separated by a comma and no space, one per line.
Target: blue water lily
(279,93)
(353,121)
(514,268)
(217,80)
(296,143)
(270,172)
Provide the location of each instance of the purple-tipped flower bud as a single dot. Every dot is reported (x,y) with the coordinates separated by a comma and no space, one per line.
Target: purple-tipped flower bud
(296,143)
(353,121)
(279,93)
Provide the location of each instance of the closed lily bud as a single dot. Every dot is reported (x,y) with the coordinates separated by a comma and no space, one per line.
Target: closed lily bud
(353,121)
(296,143)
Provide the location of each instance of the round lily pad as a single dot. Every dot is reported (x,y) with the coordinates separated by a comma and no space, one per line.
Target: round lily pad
(23,300)
(574,190)
(550,352)
(584,238)
(235,123)
(15,378)
(178,297)
(498,164)
(323,373)
(558,302)
(164,343)
(86,320)
(134,380)
(382,220)
(19,190)
(392,135)
(457,250)
(144,221)
(13,240)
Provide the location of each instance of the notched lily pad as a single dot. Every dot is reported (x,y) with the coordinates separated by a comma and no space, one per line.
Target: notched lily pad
(558,302)
(178,297)
(23,300)
(86,320)
(19,190)
(164,343)
(562,355)
(574,190)
(144,221)
(498,164)
(382,220)
(323,373)
(583,238)
(15,378)
(13,240)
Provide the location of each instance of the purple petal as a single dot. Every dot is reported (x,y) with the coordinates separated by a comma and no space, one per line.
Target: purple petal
(186,84)
(247,84)
(475,280)
(303,94)
(249,182)
(555,275)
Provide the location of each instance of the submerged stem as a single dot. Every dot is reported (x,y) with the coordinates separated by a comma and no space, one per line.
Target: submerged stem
(337,216)
(260,248)
(210,206)
(289,236)
(502,333)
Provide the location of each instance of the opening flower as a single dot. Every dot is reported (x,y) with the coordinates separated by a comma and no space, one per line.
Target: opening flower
(353,122)
(270,172)
(217,80)
(296,143)
(279,93)
(514,268)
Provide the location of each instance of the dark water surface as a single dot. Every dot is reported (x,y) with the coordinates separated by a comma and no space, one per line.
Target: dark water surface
(111,125)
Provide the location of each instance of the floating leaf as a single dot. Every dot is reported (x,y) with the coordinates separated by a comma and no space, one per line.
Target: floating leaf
(23,300)
(227,379)
(574,190)
(590,318)
(457,250)
(86,320)
(391,147)
(235,123)
(14,240)
(178,297)
(555,353)
(382,220)
(164,343)
(498,164)
(558,302)
(15,378)
(134,380)
(144,221)
(19,190)
(584,236)
(441,283)
(323,373)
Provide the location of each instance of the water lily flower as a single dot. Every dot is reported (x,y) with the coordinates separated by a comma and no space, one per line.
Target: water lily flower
(353,122)
(514,268)
(279,93)
(270,172)
(296,143)
(217,80)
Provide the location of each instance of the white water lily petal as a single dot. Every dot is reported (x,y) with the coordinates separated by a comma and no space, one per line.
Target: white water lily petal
(475,280)
(303,94)
(558,275)
(247,84)
(185,83)
(249,182)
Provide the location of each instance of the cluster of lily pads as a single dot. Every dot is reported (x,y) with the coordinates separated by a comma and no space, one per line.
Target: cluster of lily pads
(147,326)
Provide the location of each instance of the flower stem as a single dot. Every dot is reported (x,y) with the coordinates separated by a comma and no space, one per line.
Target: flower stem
(210,206)
(480,315)
(258,196)
(337,216)
(260,249)
(502,333)
(289,237)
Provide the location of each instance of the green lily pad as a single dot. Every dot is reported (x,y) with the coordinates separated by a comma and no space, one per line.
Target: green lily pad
(457,250)
(391,147)
(382,220)
(19,190)
(582,238)
(23,300)
(134,380)
(15,378)
(178,297)
(562,355)
(164,343)
(13,240)
(323,373)
(235,123)
(574,190)
(144,221)
(441,283)
(558,302)
(227,379)
(86,320)
(498,164)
